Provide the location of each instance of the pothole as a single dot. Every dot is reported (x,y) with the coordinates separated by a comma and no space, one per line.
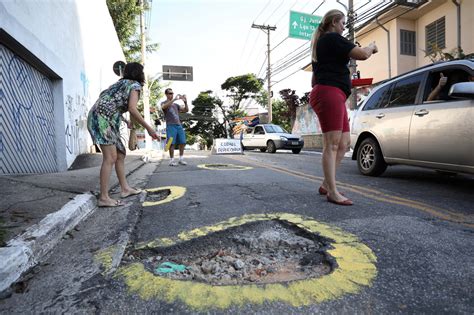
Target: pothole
(157,195)
(219,166)
(224,167)
(270,251)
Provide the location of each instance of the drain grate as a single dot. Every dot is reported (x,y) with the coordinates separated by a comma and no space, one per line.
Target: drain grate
(270,251)
(157,195)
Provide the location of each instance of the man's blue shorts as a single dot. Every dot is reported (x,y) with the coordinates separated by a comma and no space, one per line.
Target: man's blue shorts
(177,132)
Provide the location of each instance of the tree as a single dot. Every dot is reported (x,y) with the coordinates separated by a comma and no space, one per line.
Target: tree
(125,16)
(280,115)
(292,102)
(242,87)
(203,115)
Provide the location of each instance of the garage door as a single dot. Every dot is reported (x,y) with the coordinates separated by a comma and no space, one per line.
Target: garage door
(27,135)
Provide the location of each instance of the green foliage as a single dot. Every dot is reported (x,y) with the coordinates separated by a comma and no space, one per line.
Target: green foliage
(292,101)
(262,99)
(206,125)
(125,15)
(280,115)
(439,55)
(191,139)
(242,87)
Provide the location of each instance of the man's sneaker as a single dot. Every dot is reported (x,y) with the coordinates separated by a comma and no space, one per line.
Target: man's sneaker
(173,163)
(182,162)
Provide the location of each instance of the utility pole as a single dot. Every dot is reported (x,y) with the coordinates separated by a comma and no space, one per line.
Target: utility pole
(146,93)
(267,29)
(352,64)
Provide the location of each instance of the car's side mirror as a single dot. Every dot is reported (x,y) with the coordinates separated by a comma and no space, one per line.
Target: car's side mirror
(462,90)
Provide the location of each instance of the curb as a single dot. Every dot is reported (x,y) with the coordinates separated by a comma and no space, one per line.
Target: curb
(26,250)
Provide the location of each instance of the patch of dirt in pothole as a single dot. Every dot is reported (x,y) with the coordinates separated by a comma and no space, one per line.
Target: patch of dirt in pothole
(220,166)
(154,196)
(254,253)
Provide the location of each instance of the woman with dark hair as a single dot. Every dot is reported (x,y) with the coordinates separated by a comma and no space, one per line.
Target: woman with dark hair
(104,121)
(331,84)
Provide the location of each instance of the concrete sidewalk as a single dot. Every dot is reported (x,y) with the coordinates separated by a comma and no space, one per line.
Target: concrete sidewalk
(36,211)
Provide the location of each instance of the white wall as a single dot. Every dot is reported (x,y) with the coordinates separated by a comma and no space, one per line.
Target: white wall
(77,41)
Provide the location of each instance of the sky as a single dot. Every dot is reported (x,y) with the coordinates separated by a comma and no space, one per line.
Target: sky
(215,37)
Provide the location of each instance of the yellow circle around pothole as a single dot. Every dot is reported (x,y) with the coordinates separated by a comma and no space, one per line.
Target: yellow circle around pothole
(224,167)
(356,269)
(175,193)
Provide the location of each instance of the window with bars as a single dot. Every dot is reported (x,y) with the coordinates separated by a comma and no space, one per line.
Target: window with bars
(407,43)
(435,35)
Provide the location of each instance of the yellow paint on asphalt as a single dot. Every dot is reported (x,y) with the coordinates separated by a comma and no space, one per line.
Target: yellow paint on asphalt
(175,193)
(105,258)
(378,195)
(356,269)
(224,167)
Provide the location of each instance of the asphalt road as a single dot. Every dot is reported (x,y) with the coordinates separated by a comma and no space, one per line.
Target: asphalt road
(404,247)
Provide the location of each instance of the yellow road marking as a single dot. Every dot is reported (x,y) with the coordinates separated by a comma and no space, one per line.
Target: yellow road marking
(438,212)
(229,167)
(176,192)
(356,269)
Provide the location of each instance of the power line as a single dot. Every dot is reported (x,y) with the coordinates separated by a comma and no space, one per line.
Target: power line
(286,77)
(279,6)
(311,13)
(263,10)
(281,70)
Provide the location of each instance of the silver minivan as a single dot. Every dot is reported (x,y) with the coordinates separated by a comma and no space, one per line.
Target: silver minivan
(396,124)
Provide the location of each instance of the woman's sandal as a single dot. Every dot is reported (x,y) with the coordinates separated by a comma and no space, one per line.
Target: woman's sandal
(131,193)
(116,203)
(323,191)
(346,202)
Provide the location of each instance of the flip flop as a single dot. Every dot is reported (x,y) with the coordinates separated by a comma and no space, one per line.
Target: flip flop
(118,203)
(133,193)
(346,202)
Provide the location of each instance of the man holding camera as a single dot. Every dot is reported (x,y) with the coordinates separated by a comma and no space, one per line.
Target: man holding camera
(174,129)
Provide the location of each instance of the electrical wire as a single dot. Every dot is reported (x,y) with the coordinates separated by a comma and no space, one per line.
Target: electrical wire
(279,6)
(263,10)
(295,59)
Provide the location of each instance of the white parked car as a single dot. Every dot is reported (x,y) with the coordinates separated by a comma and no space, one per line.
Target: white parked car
(270,137)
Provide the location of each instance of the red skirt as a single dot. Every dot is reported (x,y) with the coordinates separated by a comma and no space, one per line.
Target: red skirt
(329,104)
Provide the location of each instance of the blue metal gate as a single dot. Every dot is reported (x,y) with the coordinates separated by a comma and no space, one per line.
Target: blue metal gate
(27,135)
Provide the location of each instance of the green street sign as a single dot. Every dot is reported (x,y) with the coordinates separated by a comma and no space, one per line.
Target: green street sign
(303,25)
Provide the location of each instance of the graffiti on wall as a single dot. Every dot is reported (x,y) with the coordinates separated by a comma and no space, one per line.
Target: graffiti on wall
(27,133)
(76,127)
(306,122)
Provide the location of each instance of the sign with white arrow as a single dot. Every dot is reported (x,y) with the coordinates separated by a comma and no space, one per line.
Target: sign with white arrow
(303,25)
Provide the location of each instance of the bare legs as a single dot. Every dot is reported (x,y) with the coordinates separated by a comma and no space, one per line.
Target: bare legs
(180,147)
(172,151)
(120,170)
(110,157)
(335,145)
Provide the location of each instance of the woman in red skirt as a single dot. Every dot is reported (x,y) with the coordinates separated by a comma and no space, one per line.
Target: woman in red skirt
(331,84)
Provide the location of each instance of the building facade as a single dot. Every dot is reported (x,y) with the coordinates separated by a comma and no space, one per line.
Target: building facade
(407,32)
(55,59)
